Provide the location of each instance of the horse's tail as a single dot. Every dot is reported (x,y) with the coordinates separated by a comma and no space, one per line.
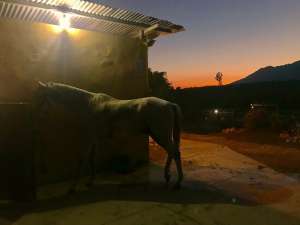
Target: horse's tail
(177,125)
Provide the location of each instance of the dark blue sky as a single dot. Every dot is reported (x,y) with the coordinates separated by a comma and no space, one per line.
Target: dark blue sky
(232,36)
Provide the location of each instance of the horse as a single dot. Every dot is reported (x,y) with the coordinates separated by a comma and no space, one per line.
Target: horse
(104,114)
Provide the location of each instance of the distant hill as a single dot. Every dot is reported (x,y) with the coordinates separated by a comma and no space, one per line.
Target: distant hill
(285,94)
(270,85)
(286,72)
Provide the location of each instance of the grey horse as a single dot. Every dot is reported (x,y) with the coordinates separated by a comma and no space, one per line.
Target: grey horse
(103,114)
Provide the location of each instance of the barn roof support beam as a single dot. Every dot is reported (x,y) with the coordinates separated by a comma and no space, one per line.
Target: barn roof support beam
(66,9)
(88,15)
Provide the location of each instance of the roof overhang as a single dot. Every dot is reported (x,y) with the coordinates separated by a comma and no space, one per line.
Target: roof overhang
(87,15)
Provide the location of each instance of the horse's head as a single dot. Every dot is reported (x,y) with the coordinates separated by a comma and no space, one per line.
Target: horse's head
(42,98)
(53,94)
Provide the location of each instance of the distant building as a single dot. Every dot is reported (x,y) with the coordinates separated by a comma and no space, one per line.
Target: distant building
(265,107)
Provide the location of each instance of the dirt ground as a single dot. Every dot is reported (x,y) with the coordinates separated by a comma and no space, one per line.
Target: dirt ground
(263,147)
(223,185)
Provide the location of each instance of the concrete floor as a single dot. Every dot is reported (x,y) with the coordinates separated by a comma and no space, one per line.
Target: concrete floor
(221,187)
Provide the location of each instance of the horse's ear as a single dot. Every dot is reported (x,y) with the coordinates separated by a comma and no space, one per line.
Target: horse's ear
(41,84)
(50,84)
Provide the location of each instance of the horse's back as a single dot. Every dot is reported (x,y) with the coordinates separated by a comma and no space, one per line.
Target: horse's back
(139,108)
(154,110)
(156,104)
(152,102)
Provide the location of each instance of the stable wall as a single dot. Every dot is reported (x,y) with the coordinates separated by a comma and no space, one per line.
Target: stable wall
(32,52)
(94,61)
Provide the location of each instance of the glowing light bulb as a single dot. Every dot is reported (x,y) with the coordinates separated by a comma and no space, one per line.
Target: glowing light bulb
(64,22)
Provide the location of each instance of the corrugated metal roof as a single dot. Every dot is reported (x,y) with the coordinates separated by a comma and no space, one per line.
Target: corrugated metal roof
(87,14)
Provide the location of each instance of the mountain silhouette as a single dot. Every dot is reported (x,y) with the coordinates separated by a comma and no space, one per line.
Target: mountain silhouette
(268,74)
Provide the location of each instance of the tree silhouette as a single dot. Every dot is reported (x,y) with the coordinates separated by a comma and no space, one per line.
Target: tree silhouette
(159,84)
(219,78)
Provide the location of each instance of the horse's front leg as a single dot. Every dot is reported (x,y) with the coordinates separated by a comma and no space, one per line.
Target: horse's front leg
(92,162)
(76,176)
(84,157)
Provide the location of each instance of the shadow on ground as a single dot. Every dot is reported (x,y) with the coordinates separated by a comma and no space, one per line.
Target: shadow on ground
(143,195)
(156,193)
(142,192)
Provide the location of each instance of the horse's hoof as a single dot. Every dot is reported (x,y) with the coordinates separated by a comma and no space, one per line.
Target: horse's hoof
(44,170)
(177,186)
(167,185)
(89,184)
(167,178)
(71,191)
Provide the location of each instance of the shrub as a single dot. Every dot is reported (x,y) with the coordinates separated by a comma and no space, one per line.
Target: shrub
(275,122)
(257,119)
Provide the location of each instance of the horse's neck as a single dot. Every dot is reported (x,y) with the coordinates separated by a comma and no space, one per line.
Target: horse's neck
(79,99)
(75,99)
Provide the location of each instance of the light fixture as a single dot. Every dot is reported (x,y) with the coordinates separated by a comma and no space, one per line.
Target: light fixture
(216,111)
(64,22)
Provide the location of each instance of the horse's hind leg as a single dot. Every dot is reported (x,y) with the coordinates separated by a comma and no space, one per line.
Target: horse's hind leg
(167,169)
(177,159)
(92,159)
(174,153)
(163,141)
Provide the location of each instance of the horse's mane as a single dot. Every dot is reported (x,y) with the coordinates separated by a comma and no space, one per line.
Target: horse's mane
(66,87)
(64,90)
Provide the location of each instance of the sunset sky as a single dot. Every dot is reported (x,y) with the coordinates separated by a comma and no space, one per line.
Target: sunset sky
(235,37)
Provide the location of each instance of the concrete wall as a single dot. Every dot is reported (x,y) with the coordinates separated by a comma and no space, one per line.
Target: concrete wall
(97,62)
(89,60)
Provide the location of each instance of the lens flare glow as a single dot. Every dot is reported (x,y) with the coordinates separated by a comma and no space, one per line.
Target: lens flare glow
(64,22)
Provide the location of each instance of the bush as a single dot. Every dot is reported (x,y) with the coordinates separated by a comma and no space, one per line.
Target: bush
(276,123)
(257,119)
